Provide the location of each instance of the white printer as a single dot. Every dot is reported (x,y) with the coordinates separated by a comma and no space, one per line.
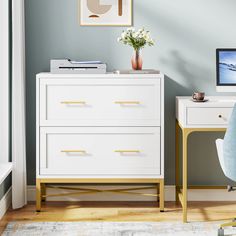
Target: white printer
(67,66)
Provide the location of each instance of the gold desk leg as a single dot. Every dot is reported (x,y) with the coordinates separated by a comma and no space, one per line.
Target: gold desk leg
(43,192)
(186,133)
(161,198)
(176,161)
(38,195)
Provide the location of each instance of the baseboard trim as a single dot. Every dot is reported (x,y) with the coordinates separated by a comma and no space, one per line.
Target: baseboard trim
(5,203)
(193,195)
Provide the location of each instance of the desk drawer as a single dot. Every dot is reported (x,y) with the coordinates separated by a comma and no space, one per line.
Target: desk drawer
(127,104)
(100,151)
(208,116)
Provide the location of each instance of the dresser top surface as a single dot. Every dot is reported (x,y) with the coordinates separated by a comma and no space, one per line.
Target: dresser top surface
(212,101)
(107,75)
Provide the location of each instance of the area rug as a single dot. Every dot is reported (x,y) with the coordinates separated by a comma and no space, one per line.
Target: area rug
(114,229)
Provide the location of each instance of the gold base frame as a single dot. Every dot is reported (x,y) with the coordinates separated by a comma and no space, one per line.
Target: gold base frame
(43,184)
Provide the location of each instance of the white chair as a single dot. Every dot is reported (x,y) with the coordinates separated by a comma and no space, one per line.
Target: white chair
(227,157)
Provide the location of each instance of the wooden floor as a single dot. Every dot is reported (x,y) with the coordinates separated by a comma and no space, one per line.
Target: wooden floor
(120,211)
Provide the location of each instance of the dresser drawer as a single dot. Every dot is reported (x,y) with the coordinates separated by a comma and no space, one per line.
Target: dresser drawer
(100,151)
(120,103)
(208,116)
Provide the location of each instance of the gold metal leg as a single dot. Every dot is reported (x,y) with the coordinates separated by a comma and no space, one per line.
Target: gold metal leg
(43,192)
(177,162)
(182,191)
(38,195)
(161,195)
(186,133)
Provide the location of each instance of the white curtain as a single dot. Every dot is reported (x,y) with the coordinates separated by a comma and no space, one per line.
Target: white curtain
(19,197)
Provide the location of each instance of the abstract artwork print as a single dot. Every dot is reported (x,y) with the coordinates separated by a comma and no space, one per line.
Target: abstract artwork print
(105,12)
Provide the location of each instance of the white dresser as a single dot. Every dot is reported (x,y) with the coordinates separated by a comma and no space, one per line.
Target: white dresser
(100,129)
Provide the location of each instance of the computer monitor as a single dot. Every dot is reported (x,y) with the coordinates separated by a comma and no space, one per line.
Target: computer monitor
(226,69)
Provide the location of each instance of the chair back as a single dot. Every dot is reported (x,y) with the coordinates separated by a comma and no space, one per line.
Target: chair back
(229,148)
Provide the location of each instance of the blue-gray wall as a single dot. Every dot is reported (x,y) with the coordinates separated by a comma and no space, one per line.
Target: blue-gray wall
(187,34)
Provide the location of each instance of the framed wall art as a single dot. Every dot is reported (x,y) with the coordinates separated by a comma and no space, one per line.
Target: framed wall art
(105,12)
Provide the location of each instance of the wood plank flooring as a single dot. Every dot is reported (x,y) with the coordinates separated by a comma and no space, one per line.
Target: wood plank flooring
(120,211)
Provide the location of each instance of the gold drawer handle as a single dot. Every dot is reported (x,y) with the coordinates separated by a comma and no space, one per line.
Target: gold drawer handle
(127,151)
(74,151)
(74,102)
(127,102)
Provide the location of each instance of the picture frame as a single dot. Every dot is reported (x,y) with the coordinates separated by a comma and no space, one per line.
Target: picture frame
(105,12)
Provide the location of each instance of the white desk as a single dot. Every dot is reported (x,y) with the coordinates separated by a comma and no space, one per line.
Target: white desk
(191,117)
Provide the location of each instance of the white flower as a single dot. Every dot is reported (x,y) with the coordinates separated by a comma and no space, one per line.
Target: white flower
(123,35)
(141,30)
(147,36)
(141,35)
(135,35)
